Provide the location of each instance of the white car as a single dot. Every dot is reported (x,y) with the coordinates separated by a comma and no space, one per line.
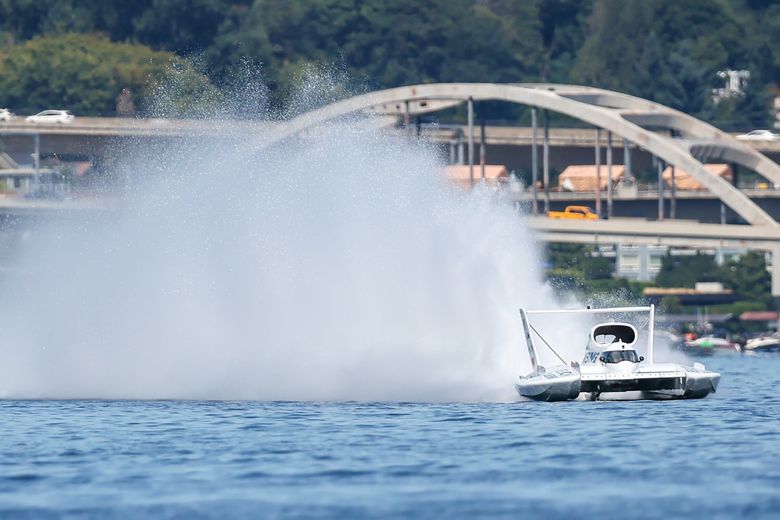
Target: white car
(6,115)
(759,135)
(51,116)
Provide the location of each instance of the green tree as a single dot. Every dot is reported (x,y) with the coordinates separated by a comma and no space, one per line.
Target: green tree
(382,44)
(184,26)
(562,25)
(748,111)
(749,278)
(84,73)
(665,50)
(685,271)
(25,19)
(617,33)
(670,52)
(522,25)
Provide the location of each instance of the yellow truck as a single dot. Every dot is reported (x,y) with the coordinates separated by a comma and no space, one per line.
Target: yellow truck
(576,212)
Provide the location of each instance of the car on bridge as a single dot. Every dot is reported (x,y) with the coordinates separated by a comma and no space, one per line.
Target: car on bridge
(6,115)
(759,135)
(51,116)
(574,212)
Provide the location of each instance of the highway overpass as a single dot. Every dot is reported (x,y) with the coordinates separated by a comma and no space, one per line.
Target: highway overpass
(678,233)
(99,137)
(701,206)
(506,145)
(647,127)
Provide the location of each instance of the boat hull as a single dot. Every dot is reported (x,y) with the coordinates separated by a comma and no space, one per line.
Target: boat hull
(556,385)
(564,384)
(700,384)
(763,345)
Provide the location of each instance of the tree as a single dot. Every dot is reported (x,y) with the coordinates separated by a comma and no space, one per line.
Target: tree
(748,111)
(749,278)
(26,19)
(665,50)
(670,52)
(562,26)
(685,271)
(381,44)
(610,55)
(522,25)
(184,26)
(83,73)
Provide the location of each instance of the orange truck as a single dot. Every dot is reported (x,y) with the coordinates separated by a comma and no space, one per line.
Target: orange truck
(576,212)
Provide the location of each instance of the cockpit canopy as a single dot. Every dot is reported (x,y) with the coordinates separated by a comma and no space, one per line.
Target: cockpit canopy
(608,333)
(616,356)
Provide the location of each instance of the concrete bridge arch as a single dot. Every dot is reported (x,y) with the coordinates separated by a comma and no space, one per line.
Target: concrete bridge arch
(623,115)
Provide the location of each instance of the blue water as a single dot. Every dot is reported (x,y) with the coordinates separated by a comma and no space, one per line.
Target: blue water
(716,457)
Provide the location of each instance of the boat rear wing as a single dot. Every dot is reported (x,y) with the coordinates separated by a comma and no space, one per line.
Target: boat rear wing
(529,340)
(650,309)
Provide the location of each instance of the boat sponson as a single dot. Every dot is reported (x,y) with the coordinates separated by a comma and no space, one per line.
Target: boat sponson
(701,384)
(550,386)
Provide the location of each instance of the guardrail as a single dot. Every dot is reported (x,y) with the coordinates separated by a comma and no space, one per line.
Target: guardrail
(112,126)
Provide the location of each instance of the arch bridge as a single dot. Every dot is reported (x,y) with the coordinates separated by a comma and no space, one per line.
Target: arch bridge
(688,144)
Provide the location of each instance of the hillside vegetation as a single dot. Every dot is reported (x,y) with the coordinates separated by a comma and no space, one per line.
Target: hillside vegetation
(665,50)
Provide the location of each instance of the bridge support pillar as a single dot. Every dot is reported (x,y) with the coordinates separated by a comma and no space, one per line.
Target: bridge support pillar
(598,172)
(534,163)
(627,159)
(673,202)
(546,162)
(471,138)
(482,142)
(776,279)
(660,166)
(609,174)
(37,155)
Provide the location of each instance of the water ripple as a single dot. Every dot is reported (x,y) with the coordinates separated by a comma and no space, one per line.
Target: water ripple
(717,457)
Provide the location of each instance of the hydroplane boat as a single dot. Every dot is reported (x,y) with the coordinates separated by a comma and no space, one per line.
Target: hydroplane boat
(611,366)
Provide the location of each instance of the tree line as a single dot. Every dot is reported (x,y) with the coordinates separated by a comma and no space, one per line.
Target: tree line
(82,54)
(581,270)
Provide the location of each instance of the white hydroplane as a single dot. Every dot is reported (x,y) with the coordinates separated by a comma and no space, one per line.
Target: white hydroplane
(611,366)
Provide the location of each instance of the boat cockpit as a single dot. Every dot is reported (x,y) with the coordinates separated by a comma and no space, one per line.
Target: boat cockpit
(616,356)
(609,333)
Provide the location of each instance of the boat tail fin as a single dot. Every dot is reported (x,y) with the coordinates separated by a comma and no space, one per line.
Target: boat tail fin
(529,340)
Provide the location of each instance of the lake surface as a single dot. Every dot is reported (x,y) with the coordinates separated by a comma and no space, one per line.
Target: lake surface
(717,457)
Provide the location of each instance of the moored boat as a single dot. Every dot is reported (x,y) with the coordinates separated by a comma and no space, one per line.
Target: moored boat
(763,344)
(708,345)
